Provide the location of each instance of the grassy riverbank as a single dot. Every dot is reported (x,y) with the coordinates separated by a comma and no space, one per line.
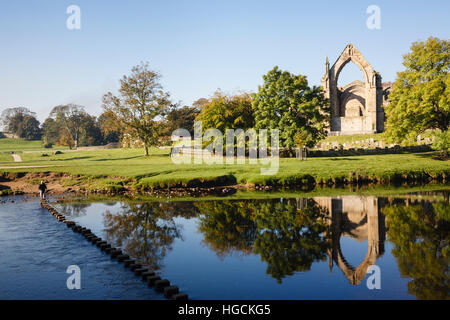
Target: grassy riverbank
(120,169)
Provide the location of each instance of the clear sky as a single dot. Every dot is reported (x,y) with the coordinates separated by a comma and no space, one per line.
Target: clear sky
(197,46)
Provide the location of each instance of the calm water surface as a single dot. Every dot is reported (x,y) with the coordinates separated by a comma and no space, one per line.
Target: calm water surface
(285,248)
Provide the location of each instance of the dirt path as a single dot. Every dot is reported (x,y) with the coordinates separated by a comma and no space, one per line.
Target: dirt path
(28,183)
(16,157)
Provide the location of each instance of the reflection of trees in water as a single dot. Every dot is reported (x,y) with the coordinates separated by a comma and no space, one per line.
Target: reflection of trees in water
(73,210)
(146,230)
(420,234)
(287,238)
(290,236)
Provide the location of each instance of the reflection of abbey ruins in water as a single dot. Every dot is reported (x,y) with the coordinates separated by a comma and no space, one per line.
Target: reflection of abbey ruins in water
(360,219)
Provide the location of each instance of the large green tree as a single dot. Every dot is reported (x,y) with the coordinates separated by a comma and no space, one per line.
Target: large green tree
(109,127)
(182,118)
(286,102)
(70,120)
(140,105)
(287,238)
(224,111)
(22,122)
(420,98)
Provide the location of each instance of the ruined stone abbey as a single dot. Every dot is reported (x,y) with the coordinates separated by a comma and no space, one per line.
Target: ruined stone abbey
(356,108)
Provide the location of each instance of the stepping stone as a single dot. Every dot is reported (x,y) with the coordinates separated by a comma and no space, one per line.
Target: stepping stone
(161,284)
(115,253)
(105,246)
(99,243)
(147,274)
(135,266)
(170,291)
(180,296)
(123,257)
(128,262)
(151,280)
(139,271)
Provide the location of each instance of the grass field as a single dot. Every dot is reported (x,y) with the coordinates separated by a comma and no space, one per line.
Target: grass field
(354,138)
(115,167)
(20,145)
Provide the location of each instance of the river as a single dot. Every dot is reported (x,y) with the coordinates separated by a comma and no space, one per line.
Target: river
(278,248)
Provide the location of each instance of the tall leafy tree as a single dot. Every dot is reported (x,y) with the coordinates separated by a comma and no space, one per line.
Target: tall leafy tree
(227,112)
(286,102)
(51,132)
(141,104)
(30,128)
(420,98)
(21,122)
(70,119)
(182,118)
(110,127)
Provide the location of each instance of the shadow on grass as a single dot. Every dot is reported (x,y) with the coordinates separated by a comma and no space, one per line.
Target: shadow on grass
(433,155)
(114,159)
(339,159)
(69,159)
(153,174)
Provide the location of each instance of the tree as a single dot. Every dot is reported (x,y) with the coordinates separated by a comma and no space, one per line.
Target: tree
(287,238)
(109,127)
(29,128)
(70,118)
(227,112)
(286,102)
(140,104)
(21,122)
(442,143)
(420,237)
(51,132)
(90,133)
(199,103)
(420,98)
(182,118)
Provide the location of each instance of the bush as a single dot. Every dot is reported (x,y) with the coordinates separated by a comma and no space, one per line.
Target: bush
(48,145)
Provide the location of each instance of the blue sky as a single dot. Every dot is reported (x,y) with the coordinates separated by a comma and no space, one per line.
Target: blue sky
(197,46)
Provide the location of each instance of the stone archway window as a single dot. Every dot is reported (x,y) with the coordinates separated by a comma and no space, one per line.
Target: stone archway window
(356,107)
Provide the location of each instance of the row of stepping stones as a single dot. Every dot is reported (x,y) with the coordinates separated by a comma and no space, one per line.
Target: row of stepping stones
(160,285)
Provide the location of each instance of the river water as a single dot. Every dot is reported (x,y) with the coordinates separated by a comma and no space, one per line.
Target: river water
(283,248)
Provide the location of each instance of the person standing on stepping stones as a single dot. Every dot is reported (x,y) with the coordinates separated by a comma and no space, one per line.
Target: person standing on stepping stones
(42,189)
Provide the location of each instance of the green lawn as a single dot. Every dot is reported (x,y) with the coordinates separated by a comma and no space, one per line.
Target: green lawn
(118,166)
(19,145)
